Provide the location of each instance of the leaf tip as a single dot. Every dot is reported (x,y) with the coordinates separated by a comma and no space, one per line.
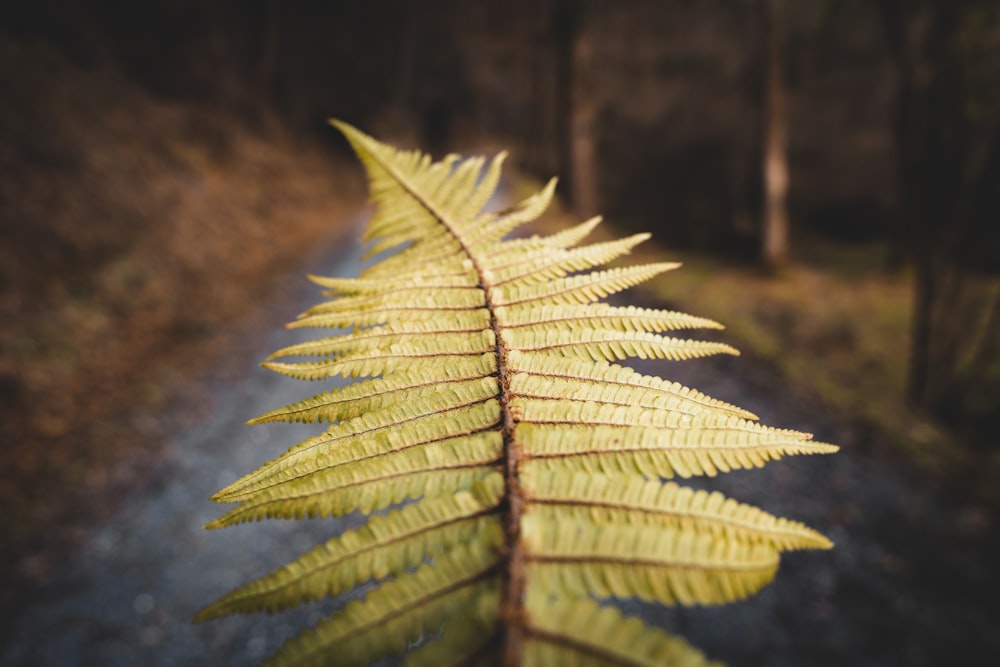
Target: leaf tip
(215,524)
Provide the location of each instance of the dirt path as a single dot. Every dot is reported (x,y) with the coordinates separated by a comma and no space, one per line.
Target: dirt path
(912,580)
(128,597)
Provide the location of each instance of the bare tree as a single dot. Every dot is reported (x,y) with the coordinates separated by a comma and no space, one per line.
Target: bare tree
(928,137)
(576,105)
(775,139)
(266,65)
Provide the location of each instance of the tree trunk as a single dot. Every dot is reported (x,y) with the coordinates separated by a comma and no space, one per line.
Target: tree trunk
(775,140)
(921,330)
(575,107)
(931,168)
(263,35)
(586,201)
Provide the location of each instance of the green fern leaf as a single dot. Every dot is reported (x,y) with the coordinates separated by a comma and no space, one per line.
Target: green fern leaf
(607,317)
(643,561)
(544,264)
(387,545)
(646,390)
(579,632)
(369,436)
(400,611)
(355,486)
(466,639)
(527,469)
(620,499)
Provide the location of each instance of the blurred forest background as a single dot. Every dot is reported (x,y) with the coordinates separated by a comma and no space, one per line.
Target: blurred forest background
(829,171)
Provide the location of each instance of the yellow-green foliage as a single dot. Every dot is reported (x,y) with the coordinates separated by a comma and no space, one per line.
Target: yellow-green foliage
(527,467)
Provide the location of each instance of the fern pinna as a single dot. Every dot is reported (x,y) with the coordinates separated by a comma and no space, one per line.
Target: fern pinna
(524,469)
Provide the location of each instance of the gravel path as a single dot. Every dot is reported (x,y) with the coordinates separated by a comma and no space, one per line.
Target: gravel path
(912,581)
(128,598)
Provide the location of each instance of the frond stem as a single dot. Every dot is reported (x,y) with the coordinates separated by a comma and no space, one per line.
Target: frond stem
(513,565)
(514,571)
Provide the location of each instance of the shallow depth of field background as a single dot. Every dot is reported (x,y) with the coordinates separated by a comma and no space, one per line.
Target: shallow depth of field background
(167,171)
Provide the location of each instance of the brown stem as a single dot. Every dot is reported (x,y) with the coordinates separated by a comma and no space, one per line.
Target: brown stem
(512,567)
(513,571)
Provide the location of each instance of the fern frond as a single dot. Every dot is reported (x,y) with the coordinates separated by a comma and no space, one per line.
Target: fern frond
(370,362)
(486,231)
(527,469)
(445,255)
(648,562)
(405,186)
(455,298)
(585,288)
(611,345)
(416,279)
(528,385)
(398,612)
(577,631)
(466,640)
(657,452)
(601,316)
(450,465)
(379,310)
(363,319)
(470,323)
(646,389)
(352,442)
(640,423)
(510,252)
(543,264)
(469,423)
(623,498)
(386,545)
(376,394)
